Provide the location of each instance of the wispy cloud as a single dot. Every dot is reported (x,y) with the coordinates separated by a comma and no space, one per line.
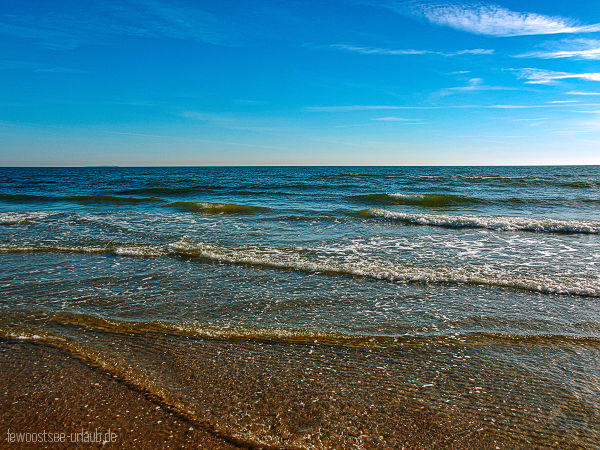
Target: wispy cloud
(232,122)
(351,108)
(582,93)
(403,52)
(573,48)
(493,20)
(355,108)
(531,119)
(69,29)
(541,76)
(398,119)
(473,85)
(518,106)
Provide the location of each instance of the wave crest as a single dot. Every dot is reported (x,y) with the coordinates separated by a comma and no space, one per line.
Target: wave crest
(22,218)
(217,208)
(286,334)
(500,223)
(428,200)
(302,260)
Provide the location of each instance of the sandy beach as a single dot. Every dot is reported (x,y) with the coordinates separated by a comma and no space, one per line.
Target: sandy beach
(45,389)
(57,392)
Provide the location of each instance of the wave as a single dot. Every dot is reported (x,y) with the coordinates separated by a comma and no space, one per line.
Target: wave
(27,198)
(286,334)
(99,199)
(112,199)
(366,175)
(526,180)
(311,218)
(168,190)
(522,178)
(21,218)
(217,208)
(430,200)
(578,184)
(302,260)
(500,223)
(131,353)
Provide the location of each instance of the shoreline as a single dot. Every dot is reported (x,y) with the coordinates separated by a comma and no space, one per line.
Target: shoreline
(45,389)
(61,392)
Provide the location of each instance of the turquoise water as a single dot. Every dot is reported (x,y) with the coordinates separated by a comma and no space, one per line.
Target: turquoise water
(490,276)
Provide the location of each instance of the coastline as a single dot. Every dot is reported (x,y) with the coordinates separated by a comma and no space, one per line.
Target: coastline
(59,392)
(46,389)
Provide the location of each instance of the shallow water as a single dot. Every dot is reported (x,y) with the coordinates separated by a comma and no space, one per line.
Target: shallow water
(322,306)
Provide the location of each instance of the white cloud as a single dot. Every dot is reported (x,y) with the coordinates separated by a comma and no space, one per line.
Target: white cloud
(531,119)
(493,20)
(350,108)
(517,106)
(582,93)
(400,52)
(474,85)
(575,49)
(353,108)
(540,76)
(395,119)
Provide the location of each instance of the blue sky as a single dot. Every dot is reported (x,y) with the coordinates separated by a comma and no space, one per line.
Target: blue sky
(181,82)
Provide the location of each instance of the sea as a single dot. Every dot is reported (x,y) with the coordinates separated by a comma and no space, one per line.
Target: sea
(322,307)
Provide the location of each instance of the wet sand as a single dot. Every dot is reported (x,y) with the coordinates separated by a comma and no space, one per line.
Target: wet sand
(46,389)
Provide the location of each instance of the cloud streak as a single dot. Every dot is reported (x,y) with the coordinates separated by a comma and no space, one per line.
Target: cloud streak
(540,76)
(356,108)
(352,108)
(398,119)
(404,52)
(582,93)
(572,49)
(493,20)
(474,85)
(70,29)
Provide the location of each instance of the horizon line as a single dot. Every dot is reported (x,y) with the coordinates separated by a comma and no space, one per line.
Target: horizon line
(112,166)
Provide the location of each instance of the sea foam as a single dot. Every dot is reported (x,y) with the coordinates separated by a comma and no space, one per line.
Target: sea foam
(501,223)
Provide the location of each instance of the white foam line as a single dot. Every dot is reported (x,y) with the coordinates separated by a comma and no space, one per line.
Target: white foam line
(502,223)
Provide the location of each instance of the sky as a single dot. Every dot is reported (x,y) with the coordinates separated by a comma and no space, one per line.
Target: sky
(371,82)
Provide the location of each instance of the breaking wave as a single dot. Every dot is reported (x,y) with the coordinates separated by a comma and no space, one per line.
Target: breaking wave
(21,218)
(302,260)
(430,200)
(501,223)
(217,208)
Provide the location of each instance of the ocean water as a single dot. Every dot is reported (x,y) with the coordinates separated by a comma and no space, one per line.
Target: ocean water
(322,306)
